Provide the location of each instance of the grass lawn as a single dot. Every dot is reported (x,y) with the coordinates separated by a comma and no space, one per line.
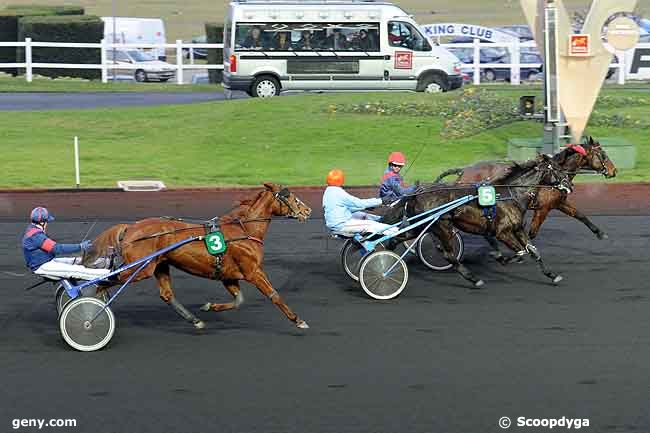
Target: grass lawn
(187,19)
(292,140)
(19,84)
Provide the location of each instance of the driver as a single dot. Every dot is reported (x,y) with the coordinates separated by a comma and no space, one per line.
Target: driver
(343,211)
(392,184)
(41,253)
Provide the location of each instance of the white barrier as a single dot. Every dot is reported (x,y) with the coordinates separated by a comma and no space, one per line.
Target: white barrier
(515,49)
(105,64)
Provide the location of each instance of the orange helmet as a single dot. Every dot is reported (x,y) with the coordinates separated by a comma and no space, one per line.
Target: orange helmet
(335,177)
(397,158)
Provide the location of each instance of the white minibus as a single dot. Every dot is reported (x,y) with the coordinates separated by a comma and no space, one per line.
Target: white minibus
(272,46)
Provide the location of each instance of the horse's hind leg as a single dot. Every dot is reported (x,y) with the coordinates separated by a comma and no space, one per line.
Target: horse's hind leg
(445,233)
(261,281)
(233,287)
(496,253)
(167,294)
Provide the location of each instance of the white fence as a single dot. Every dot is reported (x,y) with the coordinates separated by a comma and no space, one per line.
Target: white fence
(514,48)
(105,64)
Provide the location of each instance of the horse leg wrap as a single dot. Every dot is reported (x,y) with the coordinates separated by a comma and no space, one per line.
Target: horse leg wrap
(182,311)
(239,299)
(273,294)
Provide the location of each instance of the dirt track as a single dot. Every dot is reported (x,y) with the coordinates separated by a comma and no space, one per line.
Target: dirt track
(441,358)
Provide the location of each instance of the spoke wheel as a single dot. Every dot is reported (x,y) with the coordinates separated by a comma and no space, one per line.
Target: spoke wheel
(77,329)
(352,253)
(429,251)
(375,283)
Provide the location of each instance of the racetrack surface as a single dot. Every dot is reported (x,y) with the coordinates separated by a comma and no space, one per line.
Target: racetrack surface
(440,358)
(70,101)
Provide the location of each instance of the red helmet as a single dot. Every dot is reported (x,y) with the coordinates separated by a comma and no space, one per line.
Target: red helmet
(397,158)
(335,177)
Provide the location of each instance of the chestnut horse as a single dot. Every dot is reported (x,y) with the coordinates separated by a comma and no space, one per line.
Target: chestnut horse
(244,230)
(590,156)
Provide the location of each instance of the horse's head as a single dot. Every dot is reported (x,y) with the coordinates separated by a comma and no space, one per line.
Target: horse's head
(597,159)
(287,204)
(551,173)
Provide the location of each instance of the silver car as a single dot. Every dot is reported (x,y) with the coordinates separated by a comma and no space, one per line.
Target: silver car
(142,66)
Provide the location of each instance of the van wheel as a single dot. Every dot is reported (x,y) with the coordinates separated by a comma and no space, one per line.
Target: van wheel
(265,87)
(490,75)
(433,84)
(140,76)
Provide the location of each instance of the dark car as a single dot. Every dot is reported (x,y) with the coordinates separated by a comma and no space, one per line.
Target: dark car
(525,72)
(491,55)
(199,53)
(522,31)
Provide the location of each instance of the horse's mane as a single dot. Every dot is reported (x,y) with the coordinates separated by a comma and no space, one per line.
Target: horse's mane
(241,208)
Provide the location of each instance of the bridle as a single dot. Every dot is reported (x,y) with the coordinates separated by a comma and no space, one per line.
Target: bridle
(283,197)
(601,159)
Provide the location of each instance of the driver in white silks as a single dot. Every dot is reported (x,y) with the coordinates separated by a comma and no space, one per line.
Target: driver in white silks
(343,211)
(42,253)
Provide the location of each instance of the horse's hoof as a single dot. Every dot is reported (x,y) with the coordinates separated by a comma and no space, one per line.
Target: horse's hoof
(479,284)
(302,324)
(557,279)
(199,325)
(206,307)
(602,235)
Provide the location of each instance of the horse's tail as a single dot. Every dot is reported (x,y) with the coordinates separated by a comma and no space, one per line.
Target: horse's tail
(457,171)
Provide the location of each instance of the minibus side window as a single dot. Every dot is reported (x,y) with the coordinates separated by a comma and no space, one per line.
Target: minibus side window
(307,37)
(251,37)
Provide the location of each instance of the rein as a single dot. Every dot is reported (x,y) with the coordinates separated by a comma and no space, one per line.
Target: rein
(235,221)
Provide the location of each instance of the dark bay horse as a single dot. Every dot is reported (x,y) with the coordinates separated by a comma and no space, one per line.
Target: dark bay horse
(244,230)
(589,156)
(506,226)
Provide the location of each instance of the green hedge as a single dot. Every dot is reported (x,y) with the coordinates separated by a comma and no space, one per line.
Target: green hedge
(9,32)
(81,28)
(214,35)
(49,10)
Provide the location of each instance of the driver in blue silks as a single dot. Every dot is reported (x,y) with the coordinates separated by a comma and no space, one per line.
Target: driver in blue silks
(42,253)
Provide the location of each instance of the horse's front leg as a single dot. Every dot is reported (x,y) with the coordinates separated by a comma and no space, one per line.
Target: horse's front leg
(259,279)
(233,287)
(571,211)
(536,222)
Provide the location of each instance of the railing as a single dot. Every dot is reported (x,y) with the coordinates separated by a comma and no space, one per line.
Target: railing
(514,49)
(105,64)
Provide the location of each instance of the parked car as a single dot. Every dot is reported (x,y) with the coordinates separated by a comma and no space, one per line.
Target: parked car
(147,68)
(489,55)
(645,38)
(199,53)
(522,31)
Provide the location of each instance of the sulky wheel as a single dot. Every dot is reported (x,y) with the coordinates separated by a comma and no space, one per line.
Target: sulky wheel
(62,298)
(77,329)
(430,253)
(372,278)
(352,254)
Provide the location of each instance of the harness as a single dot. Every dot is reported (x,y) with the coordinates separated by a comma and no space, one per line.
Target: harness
(214,225)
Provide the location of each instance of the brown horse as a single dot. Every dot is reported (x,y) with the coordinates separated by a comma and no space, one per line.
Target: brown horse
(244,230)
(506,224)
(570,159)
